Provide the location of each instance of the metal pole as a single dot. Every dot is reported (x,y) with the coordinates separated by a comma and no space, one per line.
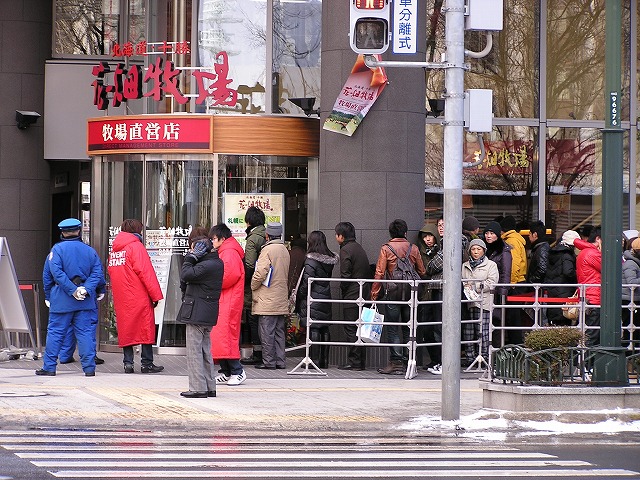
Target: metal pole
(605,368)
(453,150)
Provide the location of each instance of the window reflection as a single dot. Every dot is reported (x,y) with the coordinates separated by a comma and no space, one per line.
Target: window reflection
(86,28)
(296,52)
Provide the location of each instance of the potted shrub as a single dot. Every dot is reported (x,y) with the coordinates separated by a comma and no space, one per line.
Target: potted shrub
(551,355)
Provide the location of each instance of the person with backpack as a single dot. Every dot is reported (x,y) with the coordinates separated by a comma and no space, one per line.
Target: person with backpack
(398,259)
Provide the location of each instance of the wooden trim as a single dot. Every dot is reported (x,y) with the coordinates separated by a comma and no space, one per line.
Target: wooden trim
(266,135)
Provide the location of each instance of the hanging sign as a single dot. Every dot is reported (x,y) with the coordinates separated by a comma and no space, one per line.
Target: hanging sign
(158,133)
(362,89)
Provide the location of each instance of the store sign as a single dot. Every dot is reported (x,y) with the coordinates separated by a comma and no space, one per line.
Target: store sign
(512,157)
(161,78)
(150,133)
(235,205)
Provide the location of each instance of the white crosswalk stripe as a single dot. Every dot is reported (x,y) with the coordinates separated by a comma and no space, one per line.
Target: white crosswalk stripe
(86,454)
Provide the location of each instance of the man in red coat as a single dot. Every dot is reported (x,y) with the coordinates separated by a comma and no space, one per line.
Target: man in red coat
(225,335)
(136,292)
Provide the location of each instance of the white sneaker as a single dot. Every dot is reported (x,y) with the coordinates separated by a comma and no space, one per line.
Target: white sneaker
(222,378)
(436,369)
(237,379)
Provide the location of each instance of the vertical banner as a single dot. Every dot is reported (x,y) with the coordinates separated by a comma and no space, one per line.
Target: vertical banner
(235,205)
(359,93)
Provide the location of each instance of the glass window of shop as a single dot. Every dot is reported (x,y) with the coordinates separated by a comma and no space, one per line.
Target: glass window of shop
(575,60)
(511,67)
(92,27)
(172,194)
(509,169)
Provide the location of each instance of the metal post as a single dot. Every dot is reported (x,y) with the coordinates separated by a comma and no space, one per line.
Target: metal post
(453,155)
(605,369)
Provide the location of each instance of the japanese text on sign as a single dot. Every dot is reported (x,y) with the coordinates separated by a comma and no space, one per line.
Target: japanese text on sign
(405,18)
(504,158)
(162,77)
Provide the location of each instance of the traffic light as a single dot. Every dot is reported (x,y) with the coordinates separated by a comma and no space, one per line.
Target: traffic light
(369,26)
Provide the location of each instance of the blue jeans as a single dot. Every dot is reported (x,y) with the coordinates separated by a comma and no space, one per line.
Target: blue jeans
(230,367)
(397,313)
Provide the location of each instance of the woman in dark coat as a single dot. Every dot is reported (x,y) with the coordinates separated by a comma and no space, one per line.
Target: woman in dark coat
(630,277)
(201,283)
(561,269)
(319,263)
(499,251)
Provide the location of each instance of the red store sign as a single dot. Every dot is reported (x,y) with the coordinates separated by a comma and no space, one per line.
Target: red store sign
(190,133)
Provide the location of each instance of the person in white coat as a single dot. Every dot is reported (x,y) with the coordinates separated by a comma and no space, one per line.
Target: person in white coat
(479,275)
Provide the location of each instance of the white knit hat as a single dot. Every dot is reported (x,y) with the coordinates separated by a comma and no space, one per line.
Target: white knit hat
(569,236)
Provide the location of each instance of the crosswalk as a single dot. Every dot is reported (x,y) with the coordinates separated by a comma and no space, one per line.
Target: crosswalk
(170,454)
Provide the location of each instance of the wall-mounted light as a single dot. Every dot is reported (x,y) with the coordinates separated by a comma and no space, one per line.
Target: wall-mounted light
(437,107)
(306,104)
(25,118)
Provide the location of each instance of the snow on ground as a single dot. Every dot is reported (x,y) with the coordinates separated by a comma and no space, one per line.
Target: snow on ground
(498,424)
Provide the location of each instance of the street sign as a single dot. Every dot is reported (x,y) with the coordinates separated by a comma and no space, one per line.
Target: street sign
(405,24)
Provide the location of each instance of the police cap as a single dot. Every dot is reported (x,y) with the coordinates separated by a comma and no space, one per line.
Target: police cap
(70,224)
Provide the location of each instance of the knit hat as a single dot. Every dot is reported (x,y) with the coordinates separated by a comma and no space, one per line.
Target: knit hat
(477,241)
(274,229)
(508,223)
(493,227)
(569,236)
(470,224)
(635,245)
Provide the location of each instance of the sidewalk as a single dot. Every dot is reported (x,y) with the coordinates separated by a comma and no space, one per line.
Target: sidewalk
(342,400)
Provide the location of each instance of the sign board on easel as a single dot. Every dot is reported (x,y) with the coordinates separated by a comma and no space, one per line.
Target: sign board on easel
(13,313)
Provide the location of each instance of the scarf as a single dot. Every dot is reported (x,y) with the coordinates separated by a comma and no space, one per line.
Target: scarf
(474,263)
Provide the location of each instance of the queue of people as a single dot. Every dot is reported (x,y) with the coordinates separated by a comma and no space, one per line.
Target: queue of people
(229,292)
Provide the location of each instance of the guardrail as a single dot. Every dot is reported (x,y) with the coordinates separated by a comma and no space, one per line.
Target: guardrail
(536,303)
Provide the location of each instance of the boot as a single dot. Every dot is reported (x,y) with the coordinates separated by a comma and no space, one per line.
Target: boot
(314,351)
(256,358)
(394,368)
(324,350)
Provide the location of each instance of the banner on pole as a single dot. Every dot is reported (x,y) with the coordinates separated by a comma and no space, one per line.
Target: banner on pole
(359,93)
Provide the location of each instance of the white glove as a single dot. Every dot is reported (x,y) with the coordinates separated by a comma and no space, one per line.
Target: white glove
(100,296)
(80,293)
(47,303)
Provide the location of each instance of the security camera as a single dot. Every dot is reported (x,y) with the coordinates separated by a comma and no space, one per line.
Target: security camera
(26,118)
(306,104)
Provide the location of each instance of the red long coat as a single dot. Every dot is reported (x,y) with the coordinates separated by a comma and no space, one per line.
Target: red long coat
(225,336)
(134,286)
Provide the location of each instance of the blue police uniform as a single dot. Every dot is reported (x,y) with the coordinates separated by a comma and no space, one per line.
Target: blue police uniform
(69,261)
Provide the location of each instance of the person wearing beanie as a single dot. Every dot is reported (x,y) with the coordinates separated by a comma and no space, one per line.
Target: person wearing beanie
(470,227)
(479,274)
(630,277)
(499,252)
(561,269)
(72,275)
(269,285)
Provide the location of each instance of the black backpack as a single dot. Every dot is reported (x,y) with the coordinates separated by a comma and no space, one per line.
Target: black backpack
(404,271)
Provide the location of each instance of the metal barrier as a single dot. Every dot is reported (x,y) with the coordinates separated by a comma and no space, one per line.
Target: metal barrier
(535,302)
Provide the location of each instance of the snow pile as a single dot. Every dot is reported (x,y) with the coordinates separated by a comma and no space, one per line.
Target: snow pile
(498,424)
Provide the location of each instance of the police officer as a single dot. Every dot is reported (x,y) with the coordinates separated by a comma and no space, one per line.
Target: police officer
(71,277)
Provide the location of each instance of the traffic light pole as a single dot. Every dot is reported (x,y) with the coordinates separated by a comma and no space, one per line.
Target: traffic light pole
(453,155)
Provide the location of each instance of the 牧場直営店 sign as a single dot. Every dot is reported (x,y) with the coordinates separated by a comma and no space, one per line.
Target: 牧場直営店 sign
(150,133)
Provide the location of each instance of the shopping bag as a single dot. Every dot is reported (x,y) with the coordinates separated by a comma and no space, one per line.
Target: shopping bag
(371,329)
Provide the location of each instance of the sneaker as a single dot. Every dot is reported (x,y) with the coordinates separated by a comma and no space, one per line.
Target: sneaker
(237,379)
(128,368)
(47,373)
(222,378)
(436,369)
(151,369)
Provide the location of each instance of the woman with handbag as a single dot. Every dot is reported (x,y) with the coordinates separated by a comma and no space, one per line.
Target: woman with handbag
(318,263)
(561,269)
(201,284)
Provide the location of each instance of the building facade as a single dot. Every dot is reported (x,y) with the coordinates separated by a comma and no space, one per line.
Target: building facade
(546,70)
